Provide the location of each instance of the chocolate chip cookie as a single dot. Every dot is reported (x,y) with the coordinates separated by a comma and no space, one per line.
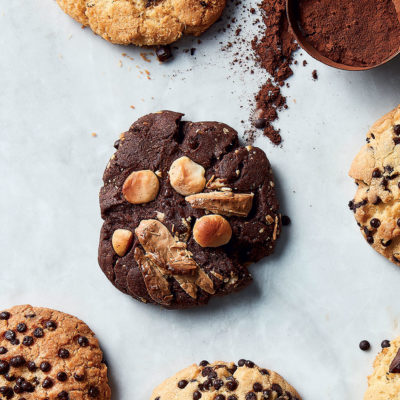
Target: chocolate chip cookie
(225,381)
(384,383)
(186,209)
(376,170)
(144,22)
(49,355)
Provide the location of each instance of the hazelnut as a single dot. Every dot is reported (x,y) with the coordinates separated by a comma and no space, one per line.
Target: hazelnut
(186,176)
(122,241)
(212,231)
(141,187)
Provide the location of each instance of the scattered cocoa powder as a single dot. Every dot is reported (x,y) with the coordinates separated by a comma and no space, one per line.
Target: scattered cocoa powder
(273,48)
(351,32)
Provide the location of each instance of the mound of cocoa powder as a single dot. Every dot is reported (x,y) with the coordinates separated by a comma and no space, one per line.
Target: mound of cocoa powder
(351,32)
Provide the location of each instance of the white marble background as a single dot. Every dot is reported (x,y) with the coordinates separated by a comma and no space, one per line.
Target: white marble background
(311,303)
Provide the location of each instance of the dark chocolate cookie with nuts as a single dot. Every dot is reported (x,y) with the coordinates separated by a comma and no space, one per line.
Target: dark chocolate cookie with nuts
(225,381)
(48,355)
(376,170)
(186,209)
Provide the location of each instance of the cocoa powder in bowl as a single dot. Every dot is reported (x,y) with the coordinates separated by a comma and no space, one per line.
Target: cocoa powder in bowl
(359,33)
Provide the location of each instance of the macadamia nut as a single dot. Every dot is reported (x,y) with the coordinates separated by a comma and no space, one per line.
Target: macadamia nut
(212,231)
(122,241)
(186,176)
(141,187)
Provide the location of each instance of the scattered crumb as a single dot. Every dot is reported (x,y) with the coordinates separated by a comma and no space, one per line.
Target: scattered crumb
(305,63)
(94,134)
(315,75)
(83,27)
(120,63)
(144,56)
(133,107)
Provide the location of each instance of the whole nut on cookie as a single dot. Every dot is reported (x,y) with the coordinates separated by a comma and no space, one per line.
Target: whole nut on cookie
(212,231)
(121,241)
(186,176)
(141,187)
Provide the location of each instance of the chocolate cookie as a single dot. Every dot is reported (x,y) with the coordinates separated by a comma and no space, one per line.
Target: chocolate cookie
(384,383)
(225,381)
(186,209)
(144,22)
(376,170)
(49,355)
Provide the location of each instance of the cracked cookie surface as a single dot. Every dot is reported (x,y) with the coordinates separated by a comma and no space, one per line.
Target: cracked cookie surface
(144,22)
(376,170)
(49,355)
(384,382)
(213,211)
(225,381)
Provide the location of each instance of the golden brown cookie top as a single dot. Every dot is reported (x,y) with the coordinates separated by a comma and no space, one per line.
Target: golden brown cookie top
(384,383)
(144,22)
(376,170)
(225,381)
(46,354)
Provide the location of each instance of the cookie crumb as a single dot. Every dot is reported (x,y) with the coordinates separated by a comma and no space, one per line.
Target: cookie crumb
(315,75)
(94,134)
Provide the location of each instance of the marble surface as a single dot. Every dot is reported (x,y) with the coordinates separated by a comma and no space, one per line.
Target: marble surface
(310,304)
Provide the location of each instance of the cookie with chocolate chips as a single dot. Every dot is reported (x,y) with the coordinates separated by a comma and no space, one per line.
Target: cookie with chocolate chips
(225,381)
(376,170)
(49,355)
(144,22)
(186,209)
(384,383)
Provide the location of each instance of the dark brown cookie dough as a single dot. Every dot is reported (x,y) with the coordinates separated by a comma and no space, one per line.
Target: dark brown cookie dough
(151,249)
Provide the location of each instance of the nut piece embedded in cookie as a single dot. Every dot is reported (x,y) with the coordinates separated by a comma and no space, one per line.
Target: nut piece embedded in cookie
(212,231)
(164,251)
(141,187)
(186,176)
(225,203)
(121,241)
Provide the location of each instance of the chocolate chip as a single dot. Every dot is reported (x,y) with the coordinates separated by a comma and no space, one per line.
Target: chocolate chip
(18,389)
(218,383)
(38,333)
(232,397)
(396,129)
(276,388)
(396,140)
(267,394)
(386,243)
(27,386)
(285,220)
(376,173)
(260,123)
(117,143)
(9,335)
(63,395)
(7,392)
(28,341)
(4,367)
(21,327)
(17,361)
(83,341)
(93,391)
(163,53)
(233,369)
(241,362)
(51,326)
(375,223)
(203,363)
(364,345)
(63,353)
(3,350)
(10,378)
(207,384)
(388,169)
(182,384)
(196,395)
(45,366)
(264,372)
(33,315)
(257,387)
(370,239)
(385,343)
(31,366)
(62,376)
(251,396)
(5,315)
(394,367)
(47,383)
(249,364)
(79,378)
(231,385)
(219,397)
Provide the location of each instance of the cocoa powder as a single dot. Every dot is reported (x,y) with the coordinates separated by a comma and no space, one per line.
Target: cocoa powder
(273,48)
(351,32)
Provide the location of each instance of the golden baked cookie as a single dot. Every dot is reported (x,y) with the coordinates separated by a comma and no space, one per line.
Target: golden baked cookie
(49,355)
(144,22)
(225,381)
(376,170)
(384,383)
